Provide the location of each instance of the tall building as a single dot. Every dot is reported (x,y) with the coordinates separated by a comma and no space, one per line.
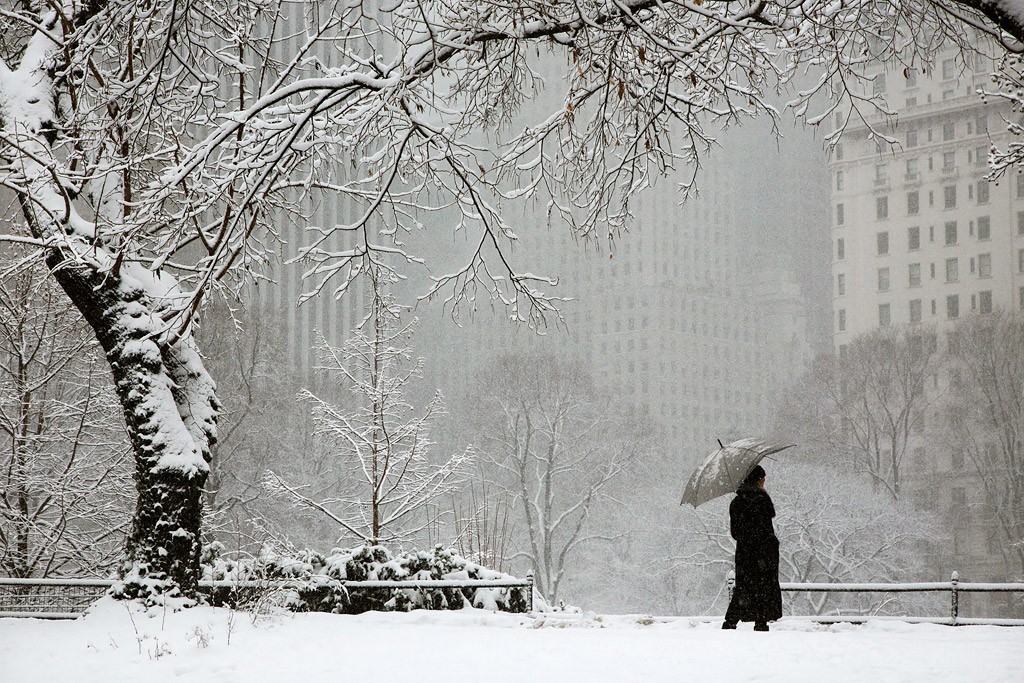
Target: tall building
(920,237)
(919,234)
(697,317)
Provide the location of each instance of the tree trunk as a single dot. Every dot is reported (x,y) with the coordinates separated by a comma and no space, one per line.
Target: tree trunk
(164,543)
(168,399)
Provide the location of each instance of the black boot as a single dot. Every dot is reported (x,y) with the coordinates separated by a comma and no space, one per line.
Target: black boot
(729,625)
(760,626)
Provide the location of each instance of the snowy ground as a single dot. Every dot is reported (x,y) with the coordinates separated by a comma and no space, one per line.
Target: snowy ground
(204,644)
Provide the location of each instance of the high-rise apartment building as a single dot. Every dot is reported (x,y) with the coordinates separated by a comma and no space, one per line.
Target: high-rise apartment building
(918,234)
(697,316)
(920,237)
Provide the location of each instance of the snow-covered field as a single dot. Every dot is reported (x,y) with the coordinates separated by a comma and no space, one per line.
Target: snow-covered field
(205,644)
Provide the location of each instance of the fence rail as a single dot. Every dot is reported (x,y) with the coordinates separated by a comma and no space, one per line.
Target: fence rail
(69,598)
(954,587)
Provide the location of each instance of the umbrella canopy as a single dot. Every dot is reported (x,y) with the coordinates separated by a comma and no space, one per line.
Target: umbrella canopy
(725,469)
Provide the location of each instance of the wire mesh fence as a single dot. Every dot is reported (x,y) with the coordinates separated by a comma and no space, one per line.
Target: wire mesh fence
(49,598)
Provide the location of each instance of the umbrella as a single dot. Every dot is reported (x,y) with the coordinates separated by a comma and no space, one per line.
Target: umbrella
(725,469)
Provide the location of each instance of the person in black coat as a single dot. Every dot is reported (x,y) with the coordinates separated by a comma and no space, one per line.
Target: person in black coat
(757,596)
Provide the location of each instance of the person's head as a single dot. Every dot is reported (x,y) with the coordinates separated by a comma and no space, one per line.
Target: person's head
(756,477)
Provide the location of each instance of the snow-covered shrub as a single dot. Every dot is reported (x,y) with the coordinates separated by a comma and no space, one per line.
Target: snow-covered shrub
(317,582)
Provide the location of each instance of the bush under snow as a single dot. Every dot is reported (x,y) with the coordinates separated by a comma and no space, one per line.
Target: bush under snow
(316,582)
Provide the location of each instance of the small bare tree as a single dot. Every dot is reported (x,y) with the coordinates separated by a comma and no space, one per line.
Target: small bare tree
(864,405)
(983,419)
(554,444)
(381,442)
(65,489)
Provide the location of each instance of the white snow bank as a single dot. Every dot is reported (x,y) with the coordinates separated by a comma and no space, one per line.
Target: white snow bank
(205,644)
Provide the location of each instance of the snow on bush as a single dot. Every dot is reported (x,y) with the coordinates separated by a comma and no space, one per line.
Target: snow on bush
(317,582)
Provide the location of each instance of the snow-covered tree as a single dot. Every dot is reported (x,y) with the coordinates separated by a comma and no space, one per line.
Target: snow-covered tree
(982,419)
(866,404)
(554,444)
(378,443)
(157,151)
(65,485)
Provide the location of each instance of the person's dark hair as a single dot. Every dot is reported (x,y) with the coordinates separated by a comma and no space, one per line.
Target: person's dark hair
(756,475)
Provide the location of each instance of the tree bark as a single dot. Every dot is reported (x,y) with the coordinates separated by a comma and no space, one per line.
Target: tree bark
(164,543)
(168,399)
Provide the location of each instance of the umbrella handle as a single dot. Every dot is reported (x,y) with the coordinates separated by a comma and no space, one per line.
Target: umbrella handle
(719,443)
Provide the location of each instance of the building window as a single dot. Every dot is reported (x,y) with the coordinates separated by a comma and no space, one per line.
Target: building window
(881,174)
(911,138)
(950,233)
(984,265)
(840,214)
(1020,222)
(915,310)
(878,86)
(949,196)
(840,249)
(980,155)
(952,269)
(984,228)
(842,319)
(883,315)
(948,160)
(911,78)
(912,169)
(1020,185)
(1020,298)
(952,306)
(982,192)
(985,301)
(947,132)
(947,69)
(882,207)
(883,279)
(913,203)
(839,180)
(841,284)
(839,151)
(981,125)
(914,238)
(882,243)
(914,270)
(1020,260)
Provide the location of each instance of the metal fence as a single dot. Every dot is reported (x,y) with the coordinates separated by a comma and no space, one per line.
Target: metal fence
(69,598)
(954,587)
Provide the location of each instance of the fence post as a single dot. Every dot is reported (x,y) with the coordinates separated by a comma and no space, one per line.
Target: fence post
(730,584)
(954,609)
(529,592)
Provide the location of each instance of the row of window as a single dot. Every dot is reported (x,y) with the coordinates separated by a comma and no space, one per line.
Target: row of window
(913,168)
(982,266)
(980,302)
(979,126)
(978,191)
(982,229)
(949,72)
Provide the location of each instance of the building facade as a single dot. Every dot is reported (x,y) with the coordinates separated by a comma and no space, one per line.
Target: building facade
(918,234)
(920,237)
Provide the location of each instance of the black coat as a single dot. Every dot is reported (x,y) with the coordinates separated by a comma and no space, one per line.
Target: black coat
(757,596)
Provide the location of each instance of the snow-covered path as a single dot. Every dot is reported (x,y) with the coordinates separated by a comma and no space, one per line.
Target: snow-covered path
(472,645)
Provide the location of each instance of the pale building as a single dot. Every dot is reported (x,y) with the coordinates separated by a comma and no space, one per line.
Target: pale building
(920,237)
(918,234)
